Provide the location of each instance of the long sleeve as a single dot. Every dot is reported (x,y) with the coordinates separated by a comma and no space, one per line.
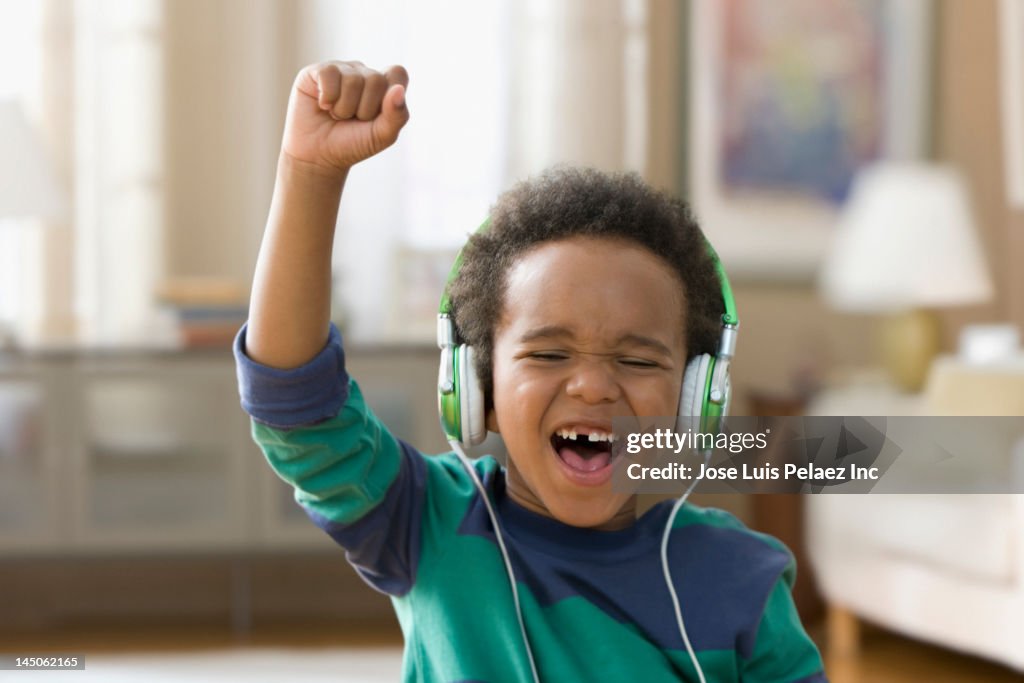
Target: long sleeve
(355,480)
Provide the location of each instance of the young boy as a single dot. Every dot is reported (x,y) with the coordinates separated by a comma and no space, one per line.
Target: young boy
(583,300)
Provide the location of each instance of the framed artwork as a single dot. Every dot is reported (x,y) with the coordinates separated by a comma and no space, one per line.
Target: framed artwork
(789,99)
(1011,21)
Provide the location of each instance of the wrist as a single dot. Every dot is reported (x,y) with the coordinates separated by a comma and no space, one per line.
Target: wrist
(327,177)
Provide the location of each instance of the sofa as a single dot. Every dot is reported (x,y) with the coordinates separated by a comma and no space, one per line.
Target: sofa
(948,569)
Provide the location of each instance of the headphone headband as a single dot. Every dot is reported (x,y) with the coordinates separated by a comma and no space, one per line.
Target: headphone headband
(445,307)
(729,317)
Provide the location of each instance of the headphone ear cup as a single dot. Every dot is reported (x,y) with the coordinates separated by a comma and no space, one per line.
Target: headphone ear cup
(448,402)
(693,394)
(471,399)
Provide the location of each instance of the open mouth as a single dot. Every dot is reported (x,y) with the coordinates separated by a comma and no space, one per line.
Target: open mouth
(584,453)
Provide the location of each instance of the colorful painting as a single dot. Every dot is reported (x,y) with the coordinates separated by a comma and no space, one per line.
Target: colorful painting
(801,94)
(789,100)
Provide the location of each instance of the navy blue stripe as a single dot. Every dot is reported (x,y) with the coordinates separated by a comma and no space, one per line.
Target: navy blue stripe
(384,544)
(285,399)
(723,576)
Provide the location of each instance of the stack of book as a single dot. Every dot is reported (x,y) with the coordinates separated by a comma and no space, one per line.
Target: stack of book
(208,311)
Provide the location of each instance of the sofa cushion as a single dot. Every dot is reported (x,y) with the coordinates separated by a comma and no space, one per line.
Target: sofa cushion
(971,535)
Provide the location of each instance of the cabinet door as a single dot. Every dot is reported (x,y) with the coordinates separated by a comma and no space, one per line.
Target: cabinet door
(28,496)
(157,457)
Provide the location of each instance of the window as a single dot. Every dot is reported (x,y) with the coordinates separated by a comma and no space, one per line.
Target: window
(516,87)
(19,74)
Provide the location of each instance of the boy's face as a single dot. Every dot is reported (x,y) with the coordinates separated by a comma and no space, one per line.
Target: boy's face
(591,329)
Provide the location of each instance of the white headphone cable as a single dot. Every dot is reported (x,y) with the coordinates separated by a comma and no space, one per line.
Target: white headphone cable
(511,575)
(668,574)
(504,553)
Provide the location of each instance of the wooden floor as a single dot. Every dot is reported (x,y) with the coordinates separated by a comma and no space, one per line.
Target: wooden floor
(886,658)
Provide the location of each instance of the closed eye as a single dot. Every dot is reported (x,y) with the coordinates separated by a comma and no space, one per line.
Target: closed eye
(639,363)
(548,355)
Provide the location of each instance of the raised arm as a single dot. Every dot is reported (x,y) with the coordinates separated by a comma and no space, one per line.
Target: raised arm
(354,479)
(339,113)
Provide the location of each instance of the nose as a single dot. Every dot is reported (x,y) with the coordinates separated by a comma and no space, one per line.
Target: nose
(593,381)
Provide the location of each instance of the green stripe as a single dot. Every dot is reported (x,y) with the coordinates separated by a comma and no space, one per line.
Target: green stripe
(779,655)
(596,647)
(342,467)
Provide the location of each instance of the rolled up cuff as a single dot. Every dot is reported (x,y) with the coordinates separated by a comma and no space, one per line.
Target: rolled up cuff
(285,399)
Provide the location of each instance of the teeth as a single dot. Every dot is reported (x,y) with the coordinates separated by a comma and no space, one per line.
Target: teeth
(593,436)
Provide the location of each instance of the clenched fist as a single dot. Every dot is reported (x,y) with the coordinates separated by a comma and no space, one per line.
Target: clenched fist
(340,113)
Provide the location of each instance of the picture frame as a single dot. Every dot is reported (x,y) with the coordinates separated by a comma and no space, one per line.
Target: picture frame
(780,231)
(1011,20)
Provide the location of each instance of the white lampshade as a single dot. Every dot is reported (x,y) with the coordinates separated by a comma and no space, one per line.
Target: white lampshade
(27,186)
(906,239)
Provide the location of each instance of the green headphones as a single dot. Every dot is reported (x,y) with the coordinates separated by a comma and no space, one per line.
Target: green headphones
(703,401)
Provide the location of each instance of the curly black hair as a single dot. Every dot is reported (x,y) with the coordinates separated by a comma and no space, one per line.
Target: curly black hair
(566,202)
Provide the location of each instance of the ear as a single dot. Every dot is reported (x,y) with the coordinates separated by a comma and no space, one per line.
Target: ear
(492,421)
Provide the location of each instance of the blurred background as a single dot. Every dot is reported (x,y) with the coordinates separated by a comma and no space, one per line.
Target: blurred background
(858,164)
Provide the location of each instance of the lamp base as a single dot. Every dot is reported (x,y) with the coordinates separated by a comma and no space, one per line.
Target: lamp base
(908,343)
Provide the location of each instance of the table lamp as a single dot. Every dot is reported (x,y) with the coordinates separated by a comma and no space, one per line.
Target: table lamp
(906,243)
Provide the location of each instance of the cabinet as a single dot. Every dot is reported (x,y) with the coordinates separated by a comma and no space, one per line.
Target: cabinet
(28,497)
(157,455)
(150,452)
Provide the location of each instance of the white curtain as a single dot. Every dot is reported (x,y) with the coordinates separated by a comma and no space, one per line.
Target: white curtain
(120,176)
(498,91)
(580,91)
(161,117)
(20,76)
(91,74)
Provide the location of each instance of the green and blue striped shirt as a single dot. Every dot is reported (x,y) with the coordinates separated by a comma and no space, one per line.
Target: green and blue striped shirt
(594,603)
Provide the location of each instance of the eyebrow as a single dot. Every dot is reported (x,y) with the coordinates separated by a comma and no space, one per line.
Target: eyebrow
(558,331)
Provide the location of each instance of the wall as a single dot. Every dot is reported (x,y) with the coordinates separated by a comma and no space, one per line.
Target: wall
(969,134)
